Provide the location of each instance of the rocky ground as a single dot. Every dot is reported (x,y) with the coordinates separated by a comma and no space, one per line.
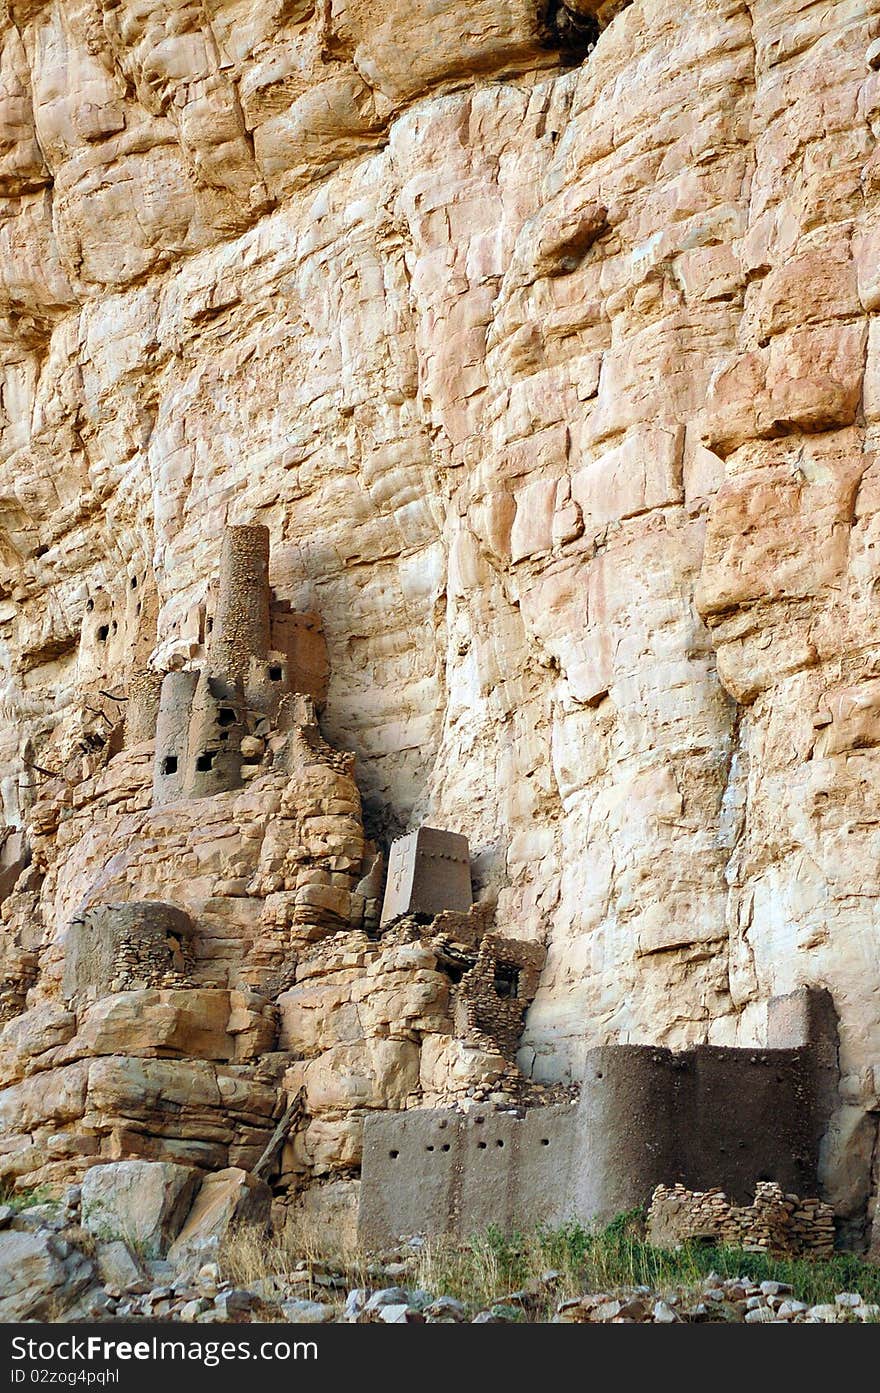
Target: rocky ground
(52,1268)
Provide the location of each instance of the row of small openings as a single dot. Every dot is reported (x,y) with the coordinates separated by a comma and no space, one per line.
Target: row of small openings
(204,762)
(105,630)
(481,1146)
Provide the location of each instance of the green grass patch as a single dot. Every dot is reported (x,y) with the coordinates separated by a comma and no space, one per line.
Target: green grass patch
(492,1264)
(26,1199)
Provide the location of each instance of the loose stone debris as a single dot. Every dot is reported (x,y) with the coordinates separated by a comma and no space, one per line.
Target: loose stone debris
(51,1267)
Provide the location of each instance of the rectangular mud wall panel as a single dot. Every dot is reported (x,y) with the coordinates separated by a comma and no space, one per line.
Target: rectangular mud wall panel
(808,1017)
(748,1116)
(408,1181)
(707,1117)
(398,888)
(516,1172)
(439,1172)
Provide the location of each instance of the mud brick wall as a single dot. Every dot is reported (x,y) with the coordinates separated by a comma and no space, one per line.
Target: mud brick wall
(142,711)
(217,724)
(646,1116)
(707,1116)
(267,684)
(299,636)
(241,624)
(428,871)
(172,735)
(439,1171)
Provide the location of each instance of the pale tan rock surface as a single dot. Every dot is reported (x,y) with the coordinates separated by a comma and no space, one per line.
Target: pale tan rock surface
(558,387)
(224,1199)
(141,1204)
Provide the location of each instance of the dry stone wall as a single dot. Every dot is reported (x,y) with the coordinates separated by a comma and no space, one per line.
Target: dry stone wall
(777,1223)
(553,374)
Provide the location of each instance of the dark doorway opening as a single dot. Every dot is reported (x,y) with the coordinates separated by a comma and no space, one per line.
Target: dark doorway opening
(506,980)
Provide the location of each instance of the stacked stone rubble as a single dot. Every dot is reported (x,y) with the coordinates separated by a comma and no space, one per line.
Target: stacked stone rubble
(493,996)
(783,1225)
(119,947)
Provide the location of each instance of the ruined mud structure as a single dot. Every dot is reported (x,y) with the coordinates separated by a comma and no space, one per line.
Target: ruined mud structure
(277,977)
(784,1225)
(118,947)
(428,871)
(222,950)
(439,627)
(210,720)
(706,1116)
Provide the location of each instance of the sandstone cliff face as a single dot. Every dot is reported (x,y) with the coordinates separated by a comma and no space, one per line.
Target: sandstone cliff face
(555,376)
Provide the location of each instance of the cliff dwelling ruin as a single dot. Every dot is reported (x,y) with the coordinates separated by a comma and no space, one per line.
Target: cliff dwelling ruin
(285,977)
(439,640)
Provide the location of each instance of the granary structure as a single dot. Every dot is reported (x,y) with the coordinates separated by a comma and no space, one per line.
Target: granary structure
(274,957)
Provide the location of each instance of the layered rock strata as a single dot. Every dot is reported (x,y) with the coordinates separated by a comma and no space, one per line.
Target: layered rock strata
(547,352)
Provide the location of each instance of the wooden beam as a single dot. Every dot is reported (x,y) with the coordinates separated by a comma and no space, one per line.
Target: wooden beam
(279,1136)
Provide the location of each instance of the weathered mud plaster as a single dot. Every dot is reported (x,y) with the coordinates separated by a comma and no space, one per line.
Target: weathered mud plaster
(710,1116)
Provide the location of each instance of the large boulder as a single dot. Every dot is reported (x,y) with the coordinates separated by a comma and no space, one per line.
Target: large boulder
(143,1203)
(117,1265)
(226,1199)
(190,1023)
(38,1279)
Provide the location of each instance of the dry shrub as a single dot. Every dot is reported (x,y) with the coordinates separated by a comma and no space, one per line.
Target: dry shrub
(248,1255)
